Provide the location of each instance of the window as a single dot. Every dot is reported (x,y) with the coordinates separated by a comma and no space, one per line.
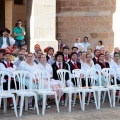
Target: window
(19,2)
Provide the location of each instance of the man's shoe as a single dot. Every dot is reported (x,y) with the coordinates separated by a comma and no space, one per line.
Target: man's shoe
(11,106)
(30,106)
(62,102)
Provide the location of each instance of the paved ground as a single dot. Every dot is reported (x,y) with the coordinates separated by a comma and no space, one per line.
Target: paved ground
(90,113)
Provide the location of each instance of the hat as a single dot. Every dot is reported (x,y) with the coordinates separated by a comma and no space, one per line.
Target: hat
(37,46)
(10,48)
(3,30)
(6,53)
(74,47)
(72,53)
(59,53)
(2,50)
(48,48)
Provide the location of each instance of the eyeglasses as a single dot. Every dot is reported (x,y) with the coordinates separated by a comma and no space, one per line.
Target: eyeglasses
(19,23)
(102,56)
(29,56)
(21,54)
(116,56)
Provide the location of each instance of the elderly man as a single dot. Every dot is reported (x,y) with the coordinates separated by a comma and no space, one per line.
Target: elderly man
(9,67)
(20,58)
(6,40)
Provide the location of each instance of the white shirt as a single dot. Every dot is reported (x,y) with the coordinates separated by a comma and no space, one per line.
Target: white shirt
(5,45)
(47,67)
(10,70)
(99,47)
(79,46)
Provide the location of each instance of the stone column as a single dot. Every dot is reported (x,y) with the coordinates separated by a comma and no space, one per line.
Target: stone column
(42,24)
(116,24)
(8,14)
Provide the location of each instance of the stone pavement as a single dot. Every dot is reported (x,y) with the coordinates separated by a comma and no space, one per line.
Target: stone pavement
(90,113)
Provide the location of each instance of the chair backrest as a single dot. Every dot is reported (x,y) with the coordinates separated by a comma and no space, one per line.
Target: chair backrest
(68,66)
(107,72)
(62,73)
(2,80)
(41,75)
(77,76)
(21,76)
(94,76)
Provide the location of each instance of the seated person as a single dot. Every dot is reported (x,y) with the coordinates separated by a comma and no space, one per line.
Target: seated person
(100,45)
(9,67)
(29,66)
(49,52)
(115,64)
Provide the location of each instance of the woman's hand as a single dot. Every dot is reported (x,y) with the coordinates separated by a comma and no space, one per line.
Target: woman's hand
(81,75)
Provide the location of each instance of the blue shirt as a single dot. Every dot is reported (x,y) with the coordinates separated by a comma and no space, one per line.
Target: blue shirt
(86,45)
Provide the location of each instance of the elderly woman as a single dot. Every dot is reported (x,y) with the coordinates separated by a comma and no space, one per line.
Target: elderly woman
(29,66)
(43,65)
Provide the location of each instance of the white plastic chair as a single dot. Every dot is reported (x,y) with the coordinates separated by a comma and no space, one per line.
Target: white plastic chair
(68,90)
(86,88)
(4,94)
(44,90)
(25,93)
(95,75)
(118,72)
(111,82)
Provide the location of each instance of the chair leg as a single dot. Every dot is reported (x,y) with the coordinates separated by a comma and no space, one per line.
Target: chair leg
(5,104)
(26,103)
(21,105)
(83,101)
(70,100)
(104,97)
(0,102)
(15,106)
(89,98)
(56,101)
(99,97)
(66,99)
(17,99)
(36,104)
(114,97)
(109,98)
(44,104)
(80,100)
(95,99)
(59,96)
(74,99)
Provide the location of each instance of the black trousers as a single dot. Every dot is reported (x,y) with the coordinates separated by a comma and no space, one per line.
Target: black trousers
(74,81)
(12,85)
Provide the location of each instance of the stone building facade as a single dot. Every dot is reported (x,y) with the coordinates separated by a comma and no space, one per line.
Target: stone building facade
(91,18)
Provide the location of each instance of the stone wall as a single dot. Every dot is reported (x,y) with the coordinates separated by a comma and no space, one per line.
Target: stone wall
(92,18)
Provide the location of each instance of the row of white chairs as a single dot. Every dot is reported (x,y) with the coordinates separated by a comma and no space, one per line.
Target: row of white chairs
(90,76)
(39,89)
